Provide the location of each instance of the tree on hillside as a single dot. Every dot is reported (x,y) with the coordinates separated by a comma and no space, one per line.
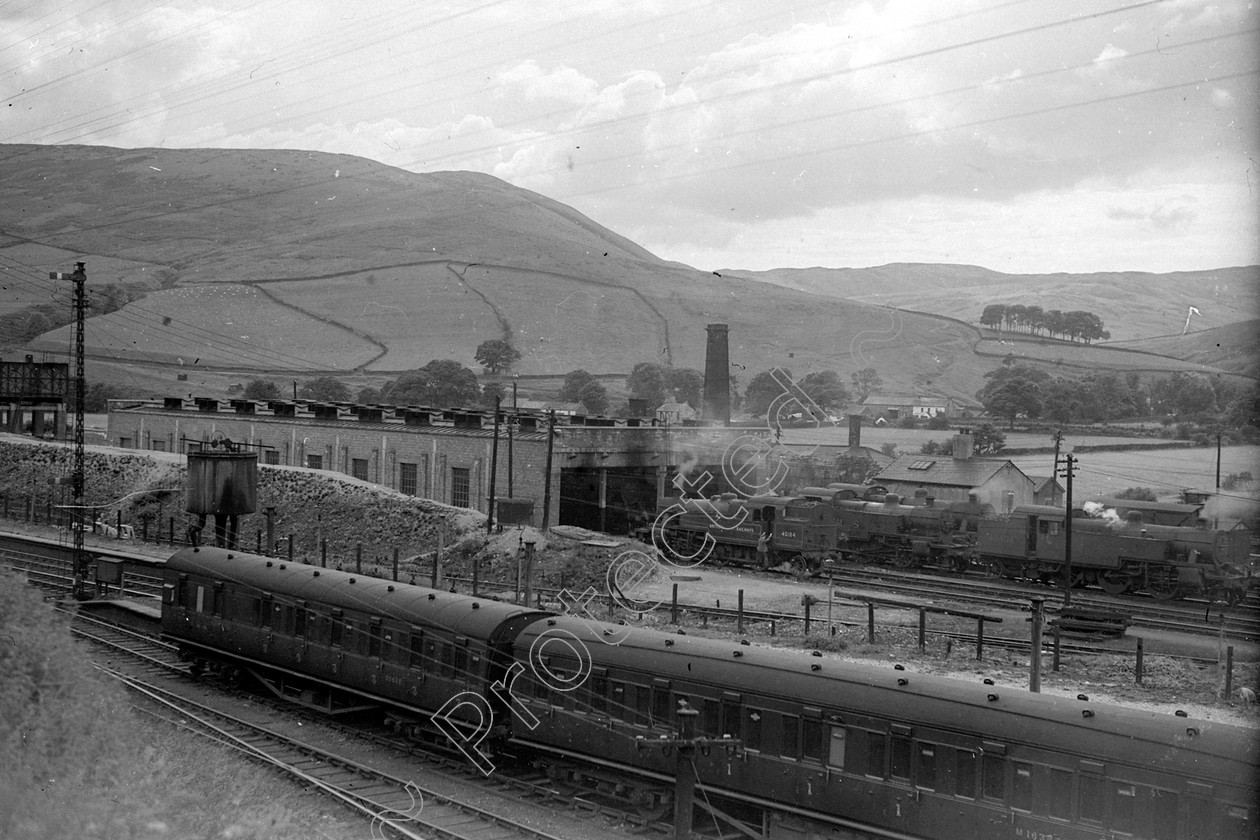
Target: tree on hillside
(594,397)
(992,316)
(261,389)
(761,391)
(496,355)
(1013,390)
(324,389)
(492,391)
(442,383)
(865,382)
(658,384)
(573,383)
(826,389)
(368,396)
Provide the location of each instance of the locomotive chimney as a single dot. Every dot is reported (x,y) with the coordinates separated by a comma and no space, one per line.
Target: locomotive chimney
(717,376)
(855,430)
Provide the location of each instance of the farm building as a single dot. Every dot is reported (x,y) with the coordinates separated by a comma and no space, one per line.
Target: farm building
(891,407)
(995,481)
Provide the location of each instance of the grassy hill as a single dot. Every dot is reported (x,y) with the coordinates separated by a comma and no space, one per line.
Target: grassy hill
(291,262)
(1133,305)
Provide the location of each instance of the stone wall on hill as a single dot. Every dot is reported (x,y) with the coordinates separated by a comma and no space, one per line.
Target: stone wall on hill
(311,505)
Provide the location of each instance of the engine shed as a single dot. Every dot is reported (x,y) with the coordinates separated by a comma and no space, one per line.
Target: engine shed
(605,473)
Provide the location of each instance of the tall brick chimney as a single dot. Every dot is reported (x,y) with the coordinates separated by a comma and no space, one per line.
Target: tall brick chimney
(717,376)
(855,430)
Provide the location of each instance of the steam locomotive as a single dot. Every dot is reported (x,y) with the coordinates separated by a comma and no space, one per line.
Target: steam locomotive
(791,744)
(858,523)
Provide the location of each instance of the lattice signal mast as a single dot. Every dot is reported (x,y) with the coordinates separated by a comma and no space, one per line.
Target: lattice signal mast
(79,278)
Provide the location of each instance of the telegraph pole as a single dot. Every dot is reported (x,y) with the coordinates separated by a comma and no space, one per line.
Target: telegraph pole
(494,466)
(1069,469)
(1054,488)
(79,278)
(551,441)
(686,744)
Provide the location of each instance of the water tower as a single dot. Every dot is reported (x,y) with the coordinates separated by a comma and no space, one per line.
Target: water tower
(223,483)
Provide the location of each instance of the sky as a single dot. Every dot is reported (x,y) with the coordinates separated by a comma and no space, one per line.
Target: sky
(1019,135)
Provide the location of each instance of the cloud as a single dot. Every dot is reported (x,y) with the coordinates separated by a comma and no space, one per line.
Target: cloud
(563,83)
(1162,217)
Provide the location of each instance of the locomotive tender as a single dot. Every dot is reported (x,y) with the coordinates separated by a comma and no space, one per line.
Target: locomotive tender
(829,749)
(846,523)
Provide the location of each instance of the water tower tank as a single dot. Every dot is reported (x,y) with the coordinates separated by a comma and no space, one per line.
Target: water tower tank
(222,480)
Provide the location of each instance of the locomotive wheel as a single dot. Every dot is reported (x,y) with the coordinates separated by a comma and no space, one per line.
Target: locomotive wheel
(994,568)
(902,559)
(1161,582)
(1115,583)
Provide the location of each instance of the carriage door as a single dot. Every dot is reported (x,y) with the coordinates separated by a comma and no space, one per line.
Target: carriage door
(1032,535)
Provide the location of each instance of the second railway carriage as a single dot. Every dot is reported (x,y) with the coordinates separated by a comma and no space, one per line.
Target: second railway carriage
(827,746)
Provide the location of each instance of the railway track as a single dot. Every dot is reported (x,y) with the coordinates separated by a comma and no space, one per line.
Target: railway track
(422,805)
(1241,623)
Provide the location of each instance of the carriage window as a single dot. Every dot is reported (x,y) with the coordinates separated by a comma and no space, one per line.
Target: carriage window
(391,650)
(875,754)
(1123,797)
(216,607)
(899,767)
(712,719)
(264,617)
(599,693)
(662,714)
(730,718)
(448,659)
(752,729)
(619,708)
(1161,814)
(642,703)
(334,629)
(791,746)
(812,739)
(374,640)
(839,739)
(461,663)
(1090,799)
(965,774)
(994,777)
(925,773)
(299,623)
(417,649)
(1060,794)
(1022,790)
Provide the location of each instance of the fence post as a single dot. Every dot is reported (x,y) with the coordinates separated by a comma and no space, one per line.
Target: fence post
(476,573)
(358,558)
(290,547)
(673,606)
(805,601)
(922,629)
(395,565)
(979,639)
(171,540)
(258,541)
(739,614)
(1034,659)
(1056,647)
(119,524)
(1229,671)
(1139,660)
(870,622)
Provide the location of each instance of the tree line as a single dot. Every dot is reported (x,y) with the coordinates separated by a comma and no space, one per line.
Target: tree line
(1019,390)
(1076,325)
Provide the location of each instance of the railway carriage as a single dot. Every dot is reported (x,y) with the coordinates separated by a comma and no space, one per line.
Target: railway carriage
(828,746)
(334,640)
